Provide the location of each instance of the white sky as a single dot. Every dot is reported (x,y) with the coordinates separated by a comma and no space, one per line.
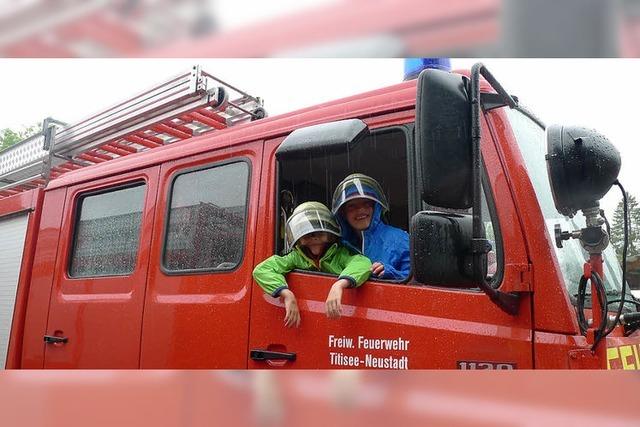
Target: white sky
(601,94)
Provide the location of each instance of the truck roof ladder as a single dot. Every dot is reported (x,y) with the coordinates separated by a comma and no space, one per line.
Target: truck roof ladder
(190,104)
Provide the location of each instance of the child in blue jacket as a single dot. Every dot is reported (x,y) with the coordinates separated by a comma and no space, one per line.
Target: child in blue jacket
(358,204)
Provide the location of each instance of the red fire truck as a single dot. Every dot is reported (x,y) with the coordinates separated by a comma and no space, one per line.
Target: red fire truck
(129,239)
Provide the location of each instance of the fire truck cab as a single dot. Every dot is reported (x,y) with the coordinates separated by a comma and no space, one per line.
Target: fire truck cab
(145,260)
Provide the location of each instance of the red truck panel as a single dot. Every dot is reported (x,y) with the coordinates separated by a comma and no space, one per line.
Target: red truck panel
(200,320)
(100,316)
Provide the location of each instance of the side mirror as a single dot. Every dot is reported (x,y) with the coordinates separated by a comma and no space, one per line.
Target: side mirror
(441,249)
(448,135)
(443,139)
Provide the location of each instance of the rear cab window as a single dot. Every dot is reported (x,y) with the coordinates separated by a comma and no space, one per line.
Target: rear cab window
(206,219)
(107,232)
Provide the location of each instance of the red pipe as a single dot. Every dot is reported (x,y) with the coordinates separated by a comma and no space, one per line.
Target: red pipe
(123,147)
(114,150)
(208,121)
(151,138)
(213,116)
(180,127)
(171,131)
(142,141)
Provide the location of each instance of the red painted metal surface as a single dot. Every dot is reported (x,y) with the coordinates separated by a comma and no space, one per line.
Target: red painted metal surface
(19,202)
(42,279)
(552,306)
(557,351)
(100,316)
(595,265)
(200,320)
(553,351)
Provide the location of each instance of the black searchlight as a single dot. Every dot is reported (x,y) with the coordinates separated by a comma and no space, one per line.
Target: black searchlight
(582,165)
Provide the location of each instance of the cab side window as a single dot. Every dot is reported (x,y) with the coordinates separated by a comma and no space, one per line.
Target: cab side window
(107,232)
(386,156)
(206,220)
(382,155)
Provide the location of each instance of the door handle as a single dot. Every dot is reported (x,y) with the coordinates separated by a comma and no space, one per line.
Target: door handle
(50,339)
(261,355)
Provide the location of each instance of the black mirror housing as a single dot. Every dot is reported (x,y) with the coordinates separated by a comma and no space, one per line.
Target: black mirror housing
(441,249)
(443,139)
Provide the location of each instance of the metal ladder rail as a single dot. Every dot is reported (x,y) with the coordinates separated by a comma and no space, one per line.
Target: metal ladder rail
(161,115)
(12,171)
(204,120)
(25,158)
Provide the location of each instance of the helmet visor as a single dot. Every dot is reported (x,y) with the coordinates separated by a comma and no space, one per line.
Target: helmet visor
(309,221)
(358,187)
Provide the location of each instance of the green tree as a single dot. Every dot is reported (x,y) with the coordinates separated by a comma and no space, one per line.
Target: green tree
(617,228)
(8,137)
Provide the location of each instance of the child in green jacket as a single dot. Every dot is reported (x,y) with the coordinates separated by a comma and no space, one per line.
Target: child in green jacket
(313,234)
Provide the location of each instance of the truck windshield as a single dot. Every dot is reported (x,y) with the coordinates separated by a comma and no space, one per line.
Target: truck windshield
(532,142)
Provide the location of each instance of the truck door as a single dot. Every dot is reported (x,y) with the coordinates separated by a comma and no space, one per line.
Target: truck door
(196,311)
(385,324)
(95,309)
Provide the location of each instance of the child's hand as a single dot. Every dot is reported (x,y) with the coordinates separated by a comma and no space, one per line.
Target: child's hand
(334,308)
(292,313)
(377,269)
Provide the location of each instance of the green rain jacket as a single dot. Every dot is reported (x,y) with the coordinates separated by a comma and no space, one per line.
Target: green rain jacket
(337,260)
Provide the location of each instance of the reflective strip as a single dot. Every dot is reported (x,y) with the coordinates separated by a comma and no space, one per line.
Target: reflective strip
(12,235)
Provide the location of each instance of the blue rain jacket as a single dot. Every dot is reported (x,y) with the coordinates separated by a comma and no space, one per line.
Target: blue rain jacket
(380,243)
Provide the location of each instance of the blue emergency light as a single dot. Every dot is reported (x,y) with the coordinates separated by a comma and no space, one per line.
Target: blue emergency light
(413,66)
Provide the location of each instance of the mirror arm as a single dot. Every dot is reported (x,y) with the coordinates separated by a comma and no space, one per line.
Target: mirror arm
(508,302)
(479,68)
(490,101)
